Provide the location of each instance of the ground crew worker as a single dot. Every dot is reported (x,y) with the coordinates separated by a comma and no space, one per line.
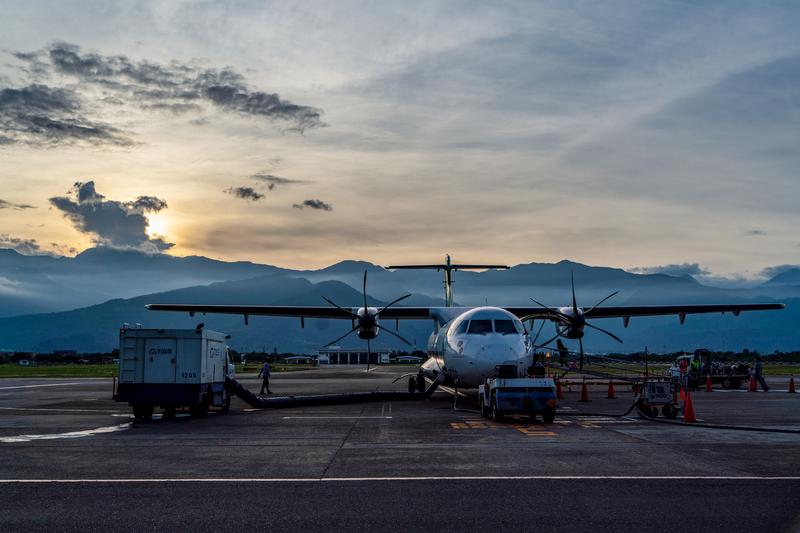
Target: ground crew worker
(264,375)
(758,373)
(695,375)
(683,365)
(562,353)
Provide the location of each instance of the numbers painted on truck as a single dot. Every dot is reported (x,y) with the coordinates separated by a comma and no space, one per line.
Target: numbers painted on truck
(188,374)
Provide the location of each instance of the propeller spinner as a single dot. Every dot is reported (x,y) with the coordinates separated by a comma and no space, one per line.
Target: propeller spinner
(365,321)
(571,324)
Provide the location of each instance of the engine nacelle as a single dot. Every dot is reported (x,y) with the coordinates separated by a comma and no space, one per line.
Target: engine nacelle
(367,323)
(571,332)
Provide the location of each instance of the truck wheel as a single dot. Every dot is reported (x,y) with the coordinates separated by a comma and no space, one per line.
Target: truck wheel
(412,384)
(727,383)
(669,411)
(143,412)
(735,384)
(200,409)
(549,415)
(497,416)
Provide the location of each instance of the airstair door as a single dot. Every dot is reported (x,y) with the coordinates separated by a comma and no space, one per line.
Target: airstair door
(159,360)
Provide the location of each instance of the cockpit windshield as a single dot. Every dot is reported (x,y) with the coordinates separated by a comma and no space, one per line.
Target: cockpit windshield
(480,326)
(506,327)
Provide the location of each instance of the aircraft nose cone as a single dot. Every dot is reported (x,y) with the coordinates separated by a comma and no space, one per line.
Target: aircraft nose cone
(497,349)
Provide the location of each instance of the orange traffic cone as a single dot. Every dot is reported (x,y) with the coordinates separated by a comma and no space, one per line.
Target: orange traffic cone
(752,387)
(708,384)
(584,392)
(559,392)
(688,409)
(611,392)
(682,395)
(791,386)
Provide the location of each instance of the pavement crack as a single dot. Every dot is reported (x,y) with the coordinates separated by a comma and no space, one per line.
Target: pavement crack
(344,440)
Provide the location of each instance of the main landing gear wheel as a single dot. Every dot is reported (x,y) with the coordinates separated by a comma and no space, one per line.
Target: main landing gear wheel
(484,409)
(420,383)
(226,405)
(412,384)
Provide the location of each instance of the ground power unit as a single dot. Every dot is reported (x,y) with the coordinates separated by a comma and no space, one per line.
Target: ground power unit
(173,368)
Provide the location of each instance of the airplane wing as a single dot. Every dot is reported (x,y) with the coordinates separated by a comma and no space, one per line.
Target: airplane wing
(415,313)
(629,311)
(393,313)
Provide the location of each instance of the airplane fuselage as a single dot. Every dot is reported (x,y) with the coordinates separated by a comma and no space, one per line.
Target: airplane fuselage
(469,347)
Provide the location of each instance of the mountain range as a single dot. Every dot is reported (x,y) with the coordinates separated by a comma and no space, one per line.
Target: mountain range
(79,303)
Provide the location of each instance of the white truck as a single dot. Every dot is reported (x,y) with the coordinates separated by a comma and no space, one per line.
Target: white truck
(173,368)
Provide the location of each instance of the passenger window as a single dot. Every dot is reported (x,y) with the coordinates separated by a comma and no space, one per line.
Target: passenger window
(462,328)
(506,327)
(480,326)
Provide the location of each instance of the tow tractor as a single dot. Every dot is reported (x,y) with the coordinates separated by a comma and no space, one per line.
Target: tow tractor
(507,394)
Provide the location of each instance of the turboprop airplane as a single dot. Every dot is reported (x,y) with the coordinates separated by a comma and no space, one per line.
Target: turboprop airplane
(469,343)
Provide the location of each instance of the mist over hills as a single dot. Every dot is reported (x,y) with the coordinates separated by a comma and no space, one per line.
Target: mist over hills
(87,298)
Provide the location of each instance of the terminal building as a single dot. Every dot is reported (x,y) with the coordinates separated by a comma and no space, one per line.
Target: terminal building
(336,355)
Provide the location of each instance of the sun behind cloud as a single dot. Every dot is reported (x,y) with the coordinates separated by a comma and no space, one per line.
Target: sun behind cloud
(158,226)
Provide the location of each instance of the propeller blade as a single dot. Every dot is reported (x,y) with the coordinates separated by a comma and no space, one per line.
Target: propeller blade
(352,314)
(392,303)
(544,344)
(369,351)
(538,332)
(390,332)
(574,300)
(580,343)
(554,311)
(606,332)
(365,291)
(342,337)
(601,301)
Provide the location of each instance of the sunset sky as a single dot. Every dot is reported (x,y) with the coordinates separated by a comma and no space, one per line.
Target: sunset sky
(630,134)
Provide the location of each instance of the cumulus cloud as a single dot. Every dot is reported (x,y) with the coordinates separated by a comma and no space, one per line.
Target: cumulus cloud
(46,116)
(683,269)
(314,204)
(175,87)
(245,193)
(272,180)
(11,205)
(21,245)
(111,222)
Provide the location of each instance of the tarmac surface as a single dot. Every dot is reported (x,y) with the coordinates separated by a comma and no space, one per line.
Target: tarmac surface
(72,459)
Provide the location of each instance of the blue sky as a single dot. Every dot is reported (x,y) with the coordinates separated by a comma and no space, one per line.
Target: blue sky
(631,134)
